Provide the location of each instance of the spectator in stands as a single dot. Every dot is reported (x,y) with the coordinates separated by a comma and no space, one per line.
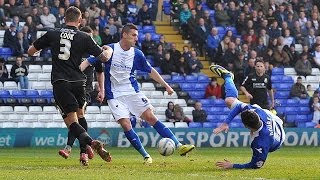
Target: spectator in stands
(199,114)
(159,56)
(54,8)
(184,16)
(192,23)
(298,32)
(241,24)
(168,65)
(133,10)
(281,58)
(79,4)
(238,69)
(213,89)
(298,90)
(148,46)
(303,66)
(182,66)
(93,10)
(268,67)
(9,38)
(200,36)
(250,67)
(21,46)
(170,112)
(221,16)
(25,9)
(165,45)
(40,4)
(229,56)
(4,74)
(251,33)
(288,39)
(316,111)
(60,18)
(12,8)
(47,20)
(310,91)
(106,37)
(179,114)
(32,27)
(316,57)
(213,41)
(96,37)
(27,36)
(261,49)
(103,19)
(144,16)
(194,63)
(112,26)
(16,22)
(222,47)
(116,17)
(310,39)
(293,54)
(257,86)
(19,72)
(174,53)
(274,31)
(233,13)
(122,13)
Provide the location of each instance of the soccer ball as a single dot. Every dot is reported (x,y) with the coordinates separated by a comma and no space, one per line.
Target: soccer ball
(166,147)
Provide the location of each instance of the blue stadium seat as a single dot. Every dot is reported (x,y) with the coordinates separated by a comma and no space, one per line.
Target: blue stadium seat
(281,102)
(310,117)
(213,118)
(301,118)
(148,29)
(221,30)
(206,102)
(215,110)
(292,102)
(304,102)
(310,124)
(280,110)
(277,71)
(212,12)
(155,37)
(166,7)
(196,94)
(200,86)
(31,93)
(209,125)
(203,79)
(219,103)
(141,37)
(301,125)
(222,117)
(158,70)
(282,94)
(291,118)
(304,110)
(150,61)
(177,78)
(284,87)
(186,86)
(276,79)
(5,94)
(191,78)
(195,125)
(236,125)
(233,29)
(291,110)
(18,93)
(5,51)
(287,79)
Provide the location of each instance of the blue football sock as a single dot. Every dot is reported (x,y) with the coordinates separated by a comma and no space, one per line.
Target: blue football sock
(135,141)
(230,87)
(165,132)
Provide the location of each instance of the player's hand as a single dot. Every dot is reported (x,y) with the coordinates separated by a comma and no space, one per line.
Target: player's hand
(169,90)
(224,164)
(223,127)
(249,96)
(100,97)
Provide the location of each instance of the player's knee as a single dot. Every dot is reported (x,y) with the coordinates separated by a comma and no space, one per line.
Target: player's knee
(229,101)
(125,124)
(149,117)
(80,113)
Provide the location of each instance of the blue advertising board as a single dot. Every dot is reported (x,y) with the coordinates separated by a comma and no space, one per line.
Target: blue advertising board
(200,137)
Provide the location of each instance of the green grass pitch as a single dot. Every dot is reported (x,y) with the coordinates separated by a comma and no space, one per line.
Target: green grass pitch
(43,163)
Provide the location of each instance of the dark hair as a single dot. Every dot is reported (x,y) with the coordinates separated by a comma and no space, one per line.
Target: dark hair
(213,79)
(72,14)
(127,28)
(86,29)
(250,119)
(258,60)
(170,102)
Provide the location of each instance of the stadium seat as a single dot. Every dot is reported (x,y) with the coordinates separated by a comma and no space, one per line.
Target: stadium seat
(187,86)
(35,68)
(284,86)
(181,102)
(191,78)
(236,125)
(97,124)
(203,79)
(301,118)
(161,117)
(315,71)
(33,77)
(219,103)
(45,117)
(147,86)
(160,110)
(282,94)
(103,117)
(231,28)
(30,117)
(291,118)
(148,29)
(9,125)
(38,125)
(5,94)
(48,85)
(291,110)
(46,68)
(38,85)
(287,79)
(93,109)
(289,71)
(44,77)
(209,125)
(180,125)
(35,110)
(4,117)
(312,79)
(157,95)
(310,124)
(50,110)
(188,110)
(277,71)
(18,93)
(196,94)
(298,48)
(177,79)
(168,124)
(10,85)
(221,30)
(15,117)
(304,102)
(54,125)
(292,102)
(112,124)
(172,96)
(91,117)
(200,86)
(195,125)
(304,110)
(105,110)
(57,117)
(6,110)
(20,110)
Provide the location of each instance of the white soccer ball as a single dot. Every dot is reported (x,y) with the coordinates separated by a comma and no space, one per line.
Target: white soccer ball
(166,146)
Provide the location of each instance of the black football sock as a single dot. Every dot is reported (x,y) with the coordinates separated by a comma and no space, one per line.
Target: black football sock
(71,139)
(80,133)
(83,122)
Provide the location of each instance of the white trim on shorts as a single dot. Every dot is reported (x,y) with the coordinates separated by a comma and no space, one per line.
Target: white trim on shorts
(122,106)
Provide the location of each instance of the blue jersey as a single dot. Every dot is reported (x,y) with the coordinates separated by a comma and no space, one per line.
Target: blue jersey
(119,71)
(268,138)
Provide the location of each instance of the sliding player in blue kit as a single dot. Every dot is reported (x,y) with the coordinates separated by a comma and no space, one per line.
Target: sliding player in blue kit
(266,129)
(123,94)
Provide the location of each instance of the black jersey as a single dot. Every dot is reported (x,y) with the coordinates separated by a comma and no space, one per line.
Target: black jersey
(257,86)
(68,46)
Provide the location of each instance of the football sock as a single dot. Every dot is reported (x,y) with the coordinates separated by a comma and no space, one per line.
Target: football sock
(83,122)
(80,133)
(230,87)
(166,132)
(135,141)
(71,139)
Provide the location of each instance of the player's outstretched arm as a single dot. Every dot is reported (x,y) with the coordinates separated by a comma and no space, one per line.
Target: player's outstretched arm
(224,164)
(156,76)
(223,127)
(84,64)
(32,50)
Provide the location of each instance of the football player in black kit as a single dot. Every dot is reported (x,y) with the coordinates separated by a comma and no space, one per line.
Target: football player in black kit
(256,85)
(68,46)
(89,72)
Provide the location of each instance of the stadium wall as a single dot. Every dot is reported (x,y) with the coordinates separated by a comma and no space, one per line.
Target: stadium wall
(201,137)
